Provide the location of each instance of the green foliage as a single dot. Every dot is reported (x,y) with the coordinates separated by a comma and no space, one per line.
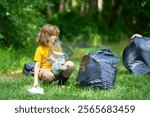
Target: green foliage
(78,29)
(19,21)
(13,60)
(7,61)
(137,16)
(125,16)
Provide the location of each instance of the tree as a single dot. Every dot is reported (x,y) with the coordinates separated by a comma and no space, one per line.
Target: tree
(19,21)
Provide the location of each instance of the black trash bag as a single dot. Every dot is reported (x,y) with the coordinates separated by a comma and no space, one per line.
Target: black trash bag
(136,56)
(98,68)
(28,69)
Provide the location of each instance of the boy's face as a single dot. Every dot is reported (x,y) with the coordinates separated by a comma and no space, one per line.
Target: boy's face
(52,39)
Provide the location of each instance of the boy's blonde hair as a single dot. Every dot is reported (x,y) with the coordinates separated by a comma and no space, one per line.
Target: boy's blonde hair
(45,33)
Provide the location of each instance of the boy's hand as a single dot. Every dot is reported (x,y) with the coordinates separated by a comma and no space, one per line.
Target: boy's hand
(35,84)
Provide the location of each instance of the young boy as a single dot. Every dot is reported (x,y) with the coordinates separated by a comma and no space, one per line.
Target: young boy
(43,69)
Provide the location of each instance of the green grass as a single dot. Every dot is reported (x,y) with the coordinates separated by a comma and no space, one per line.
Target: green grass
(13,86)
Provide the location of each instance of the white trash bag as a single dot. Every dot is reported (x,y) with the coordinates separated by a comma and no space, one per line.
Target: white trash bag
(57,63)
(57,59)
(36,90)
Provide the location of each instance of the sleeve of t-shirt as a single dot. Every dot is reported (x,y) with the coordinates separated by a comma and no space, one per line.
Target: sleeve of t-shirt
(38,55)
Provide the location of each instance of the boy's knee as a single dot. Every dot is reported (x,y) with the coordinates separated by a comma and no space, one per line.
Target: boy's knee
(70,65)
(48,77)
(70,69)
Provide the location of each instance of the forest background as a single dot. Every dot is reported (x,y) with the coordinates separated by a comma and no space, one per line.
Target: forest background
(80,21)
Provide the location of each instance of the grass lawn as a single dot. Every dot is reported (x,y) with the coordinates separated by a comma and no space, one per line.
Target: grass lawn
(14,85)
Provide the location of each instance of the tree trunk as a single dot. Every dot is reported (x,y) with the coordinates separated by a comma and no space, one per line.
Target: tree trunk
(100,6)
(117,11)
(73,3)
(48,8)
(66,4)
(82,9)
(61,6)
(92,6)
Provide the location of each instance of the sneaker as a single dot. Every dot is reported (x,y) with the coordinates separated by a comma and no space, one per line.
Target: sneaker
(62,80)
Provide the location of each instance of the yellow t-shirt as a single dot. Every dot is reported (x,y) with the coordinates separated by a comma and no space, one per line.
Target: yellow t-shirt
(41,54)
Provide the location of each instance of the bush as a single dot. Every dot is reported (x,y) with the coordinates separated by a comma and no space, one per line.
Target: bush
(13,60)
(19,21)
